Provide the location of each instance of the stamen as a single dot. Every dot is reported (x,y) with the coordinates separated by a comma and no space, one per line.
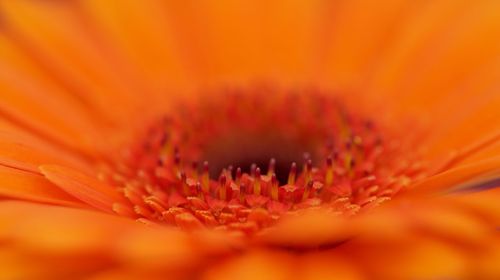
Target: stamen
(177,162)
(237,176)
(185,187)
(222,187)
(243,191)
(194,169)
(307,190)
(292,174)
(205,179)
(308,171)
(329,171)
(200,191)
(274,187)
(253,167)
(229,172)
(272,166)
(256,182)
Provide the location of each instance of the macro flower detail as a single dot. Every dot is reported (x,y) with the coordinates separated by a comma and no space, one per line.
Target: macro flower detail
(254,139)
(249,139)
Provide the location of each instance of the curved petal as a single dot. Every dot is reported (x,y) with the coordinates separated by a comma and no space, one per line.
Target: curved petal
(138,33)
(255,265)
(88,243)
(23,185)
(77,241)
(264,40)
(310,229)
(62,46)
(470,174)
(83,187)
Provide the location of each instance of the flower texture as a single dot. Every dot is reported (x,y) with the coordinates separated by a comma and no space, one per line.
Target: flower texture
(249,139)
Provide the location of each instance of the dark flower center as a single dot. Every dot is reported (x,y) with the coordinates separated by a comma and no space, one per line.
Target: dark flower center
(268,150)
(239,161)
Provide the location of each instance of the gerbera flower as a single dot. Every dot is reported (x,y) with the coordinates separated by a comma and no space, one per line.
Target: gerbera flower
(243,139)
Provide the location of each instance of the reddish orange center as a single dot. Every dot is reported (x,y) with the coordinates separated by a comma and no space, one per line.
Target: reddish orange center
(242,160)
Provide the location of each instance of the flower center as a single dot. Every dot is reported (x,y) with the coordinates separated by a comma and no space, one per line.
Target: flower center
(241,161)
(249,150)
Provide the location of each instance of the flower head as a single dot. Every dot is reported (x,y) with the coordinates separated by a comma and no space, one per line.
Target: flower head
(241,161)
(320,140)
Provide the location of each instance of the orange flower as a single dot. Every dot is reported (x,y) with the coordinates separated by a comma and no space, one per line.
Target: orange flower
(129,130)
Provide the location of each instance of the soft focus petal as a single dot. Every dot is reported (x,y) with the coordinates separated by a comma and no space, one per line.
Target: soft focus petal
(254,265)
(83,187)
(323,229)
(17,184)
(470,176)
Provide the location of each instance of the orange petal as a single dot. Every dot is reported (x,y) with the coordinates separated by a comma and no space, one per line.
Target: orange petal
(417,72)
(36,237)
(157,249)
(139,35)
(476,125)
(460,178)
(258,42)
(469,151)
(484,204)
(59,230)
(23,185)
(18,265)
(90,243)
(409,256)
(20,156)
(30,104)
(486,265)
(327,265)
(308,229)
(254,265)
(127,273)
(63,47)
(83,187)
(358,35)
(454,225)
